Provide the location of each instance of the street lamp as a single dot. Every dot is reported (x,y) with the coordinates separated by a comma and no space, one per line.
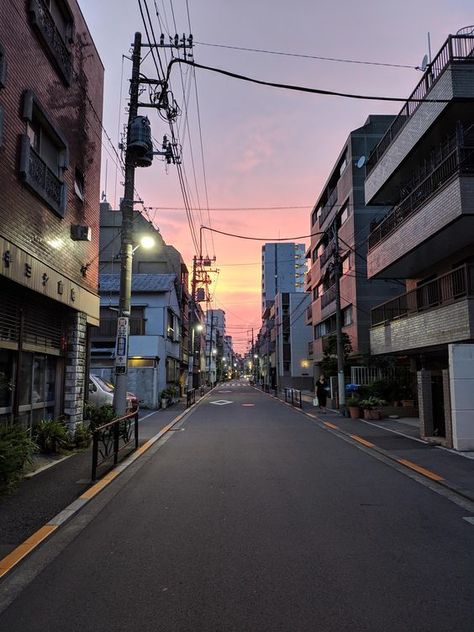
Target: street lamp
(198,327)
(146,241)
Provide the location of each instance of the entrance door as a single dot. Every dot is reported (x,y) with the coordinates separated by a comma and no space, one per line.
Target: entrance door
(437,398)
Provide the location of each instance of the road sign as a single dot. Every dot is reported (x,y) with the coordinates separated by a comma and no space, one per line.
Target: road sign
(121,347)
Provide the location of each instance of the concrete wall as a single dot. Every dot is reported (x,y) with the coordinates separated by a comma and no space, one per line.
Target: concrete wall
(461,370)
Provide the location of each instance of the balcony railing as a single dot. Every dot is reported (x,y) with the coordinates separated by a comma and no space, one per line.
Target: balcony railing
(36,173)
(329,296)
(446,289)
(332,199)
(108,328)
(327,254)
(309,314)
(51,37)
(457,48)
(459,160)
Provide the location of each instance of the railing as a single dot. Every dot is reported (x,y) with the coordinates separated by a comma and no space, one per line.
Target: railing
(457,48)
(293,397)
(327,254)
(332,199)
(329,296)
(41,178)
(446,289)
(310,348)
(108,328)
(190,397)
(44,22)
(308,277)
(113,437)
(459,160)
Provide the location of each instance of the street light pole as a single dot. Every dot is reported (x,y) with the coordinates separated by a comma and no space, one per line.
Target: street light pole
(126,207)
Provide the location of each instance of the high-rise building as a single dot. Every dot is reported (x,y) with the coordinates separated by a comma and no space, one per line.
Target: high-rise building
(283,270)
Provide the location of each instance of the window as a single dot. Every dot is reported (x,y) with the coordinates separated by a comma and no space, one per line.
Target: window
(79,184)
(172,370)
(314,255)
(43,157)
(344,214)
(53,23)
(316,293)
(347,316)
(343,165)
(346,264)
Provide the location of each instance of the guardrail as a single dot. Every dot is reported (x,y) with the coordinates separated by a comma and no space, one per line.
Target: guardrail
(293,397)
(113,437)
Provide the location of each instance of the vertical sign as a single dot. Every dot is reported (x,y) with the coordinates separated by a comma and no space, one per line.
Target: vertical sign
(121,348)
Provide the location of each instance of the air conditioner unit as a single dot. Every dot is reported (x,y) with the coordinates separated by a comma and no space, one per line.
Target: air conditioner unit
(81,233)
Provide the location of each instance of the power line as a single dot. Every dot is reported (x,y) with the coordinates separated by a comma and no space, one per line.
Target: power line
(269,239)
(234,208)
(296,88)
(301,55)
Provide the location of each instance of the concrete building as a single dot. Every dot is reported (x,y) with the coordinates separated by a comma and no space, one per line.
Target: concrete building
(341,207)
(423,168)
(51,83)
(291,335)
(283,270)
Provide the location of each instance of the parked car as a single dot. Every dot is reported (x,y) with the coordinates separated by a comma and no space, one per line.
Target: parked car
(101,392)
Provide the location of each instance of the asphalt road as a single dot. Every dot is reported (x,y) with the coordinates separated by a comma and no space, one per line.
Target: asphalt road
(254,518)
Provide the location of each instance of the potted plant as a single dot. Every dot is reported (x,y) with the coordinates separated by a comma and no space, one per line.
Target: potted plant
(353,404)
(164,398)
(372,406)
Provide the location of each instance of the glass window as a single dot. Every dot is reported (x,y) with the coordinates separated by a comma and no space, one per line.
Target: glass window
(346,265)
(347,316)
(26,374)
(6,378)
(39,373)
(344,214)
(50,387)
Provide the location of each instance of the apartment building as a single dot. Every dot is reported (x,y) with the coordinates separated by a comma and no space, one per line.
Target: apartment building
(283,270)
(341,208)
(51,83)
(423,168)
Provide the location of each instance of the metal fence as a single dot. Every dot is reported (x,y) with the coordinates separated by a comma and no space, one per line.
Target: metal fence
(112,438)
(293,397)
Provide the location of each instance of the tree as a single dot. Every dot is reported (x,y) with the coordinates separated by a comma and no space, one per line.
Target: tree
(328,364)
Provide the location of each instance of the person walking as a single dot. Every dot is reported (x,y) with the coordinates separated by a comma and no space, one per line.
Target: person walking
(322,393)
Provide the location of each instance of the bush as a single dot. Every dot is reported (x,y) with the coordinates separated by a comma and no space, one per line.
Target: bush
(353,401)
(16,449)
(99,415)
(82,436)
(372,403)
(51,435)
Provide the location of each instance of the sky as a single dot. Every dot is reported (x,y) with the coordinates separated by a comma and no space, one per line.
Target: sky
(246,146)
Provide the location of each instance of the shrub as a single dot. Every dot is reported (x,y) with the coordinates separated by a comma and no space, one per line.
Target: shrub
(51,435)
(353,401)
(16,449)
(99,415)
(82,435)
(372,403)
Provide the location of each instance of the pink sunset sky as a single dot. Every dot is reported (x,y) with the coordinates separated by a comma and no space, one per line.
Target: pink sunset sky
(263,147)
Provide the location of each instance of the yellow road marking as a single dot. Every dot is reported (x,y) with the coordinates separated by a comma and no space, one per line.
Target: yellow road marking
(421,470)
(21,551)
(330,425)
(311,415)
(363,441)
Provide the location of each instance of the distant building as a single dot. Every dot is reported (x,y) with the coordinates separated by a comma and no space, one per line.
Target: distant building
(283,270)
(51,83)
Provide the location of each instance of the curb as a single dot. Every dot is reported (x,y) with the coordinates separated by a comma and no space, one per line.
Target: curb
(30,544)
(432,476)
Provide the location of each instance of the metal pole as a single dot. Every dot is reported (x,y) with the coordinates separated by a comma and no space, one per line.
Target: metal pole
(191,328)
(126,207)
(339,341)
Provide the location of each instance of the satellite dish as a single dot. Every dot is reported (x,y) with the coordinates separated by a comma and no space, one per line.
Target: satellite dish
(361,162)
(424,63)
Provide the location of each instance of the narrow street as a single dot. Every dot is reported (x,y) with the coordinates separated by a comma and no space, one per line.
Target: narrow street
(249,516)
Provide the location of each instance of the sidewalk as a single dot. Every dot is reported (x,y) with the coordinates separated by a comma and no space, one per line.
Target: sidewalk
(43,495)
(400,441)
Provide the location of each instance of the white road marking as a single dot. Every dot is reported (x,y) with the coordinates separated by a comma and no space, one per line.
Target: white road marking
(221,402)
(469,519)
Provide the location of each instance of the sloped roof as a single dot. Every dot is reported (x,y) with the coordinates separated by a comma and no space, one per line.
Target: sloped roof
(140,282)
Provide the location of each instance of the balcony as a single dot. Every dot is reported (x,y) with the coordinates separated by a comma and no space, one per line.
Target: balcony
(451,159)
(457,48)
(327,254)
(328,297)
(438,312)
(309,315)
(49,34)
(326,209)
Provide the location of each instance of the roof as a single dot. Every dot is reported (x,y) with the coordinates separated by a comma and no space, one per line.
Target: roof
(140,282)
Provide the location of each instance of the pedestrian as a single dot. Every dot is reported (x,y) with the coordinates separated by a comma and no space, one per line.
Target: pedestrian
(322,393)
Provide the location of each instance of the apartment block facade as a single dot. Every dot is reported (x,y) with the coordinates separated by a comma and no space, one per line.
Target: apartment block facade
(341,208)
(283,270)
(423,168)
(51,85)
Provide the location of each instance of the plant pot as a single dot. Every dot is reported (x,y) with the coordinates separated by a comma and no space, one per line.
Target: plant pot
(164,403)
(372,415)
(354,412)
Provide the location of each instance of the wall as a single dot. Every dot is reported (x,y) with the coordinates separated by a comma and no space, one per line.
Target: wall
(461,371)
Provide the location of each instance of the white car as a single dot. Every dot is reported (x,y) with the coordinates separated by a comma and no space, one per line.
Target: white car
(101,392)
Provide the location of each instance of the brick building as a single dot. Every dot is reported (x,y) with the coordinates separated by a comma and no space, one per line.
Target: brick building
(51,83)
(423,168)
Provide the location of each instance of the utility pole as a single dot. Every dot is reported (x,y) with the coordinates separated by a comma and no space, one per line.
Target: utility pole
(126,254)
(341,386)
(192,309)
(210,347)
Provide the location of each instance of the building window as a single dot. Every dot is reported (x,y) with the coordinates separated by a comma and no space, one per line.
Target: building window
(172,370)
(315,293)
(52,20)
(344,214)
(43,157)
(3,67)
(347,316)
(346,264)
(343,164)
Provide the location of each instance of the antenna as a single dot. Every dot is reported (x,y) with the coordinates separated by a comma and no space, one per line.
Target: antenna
(361,162)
